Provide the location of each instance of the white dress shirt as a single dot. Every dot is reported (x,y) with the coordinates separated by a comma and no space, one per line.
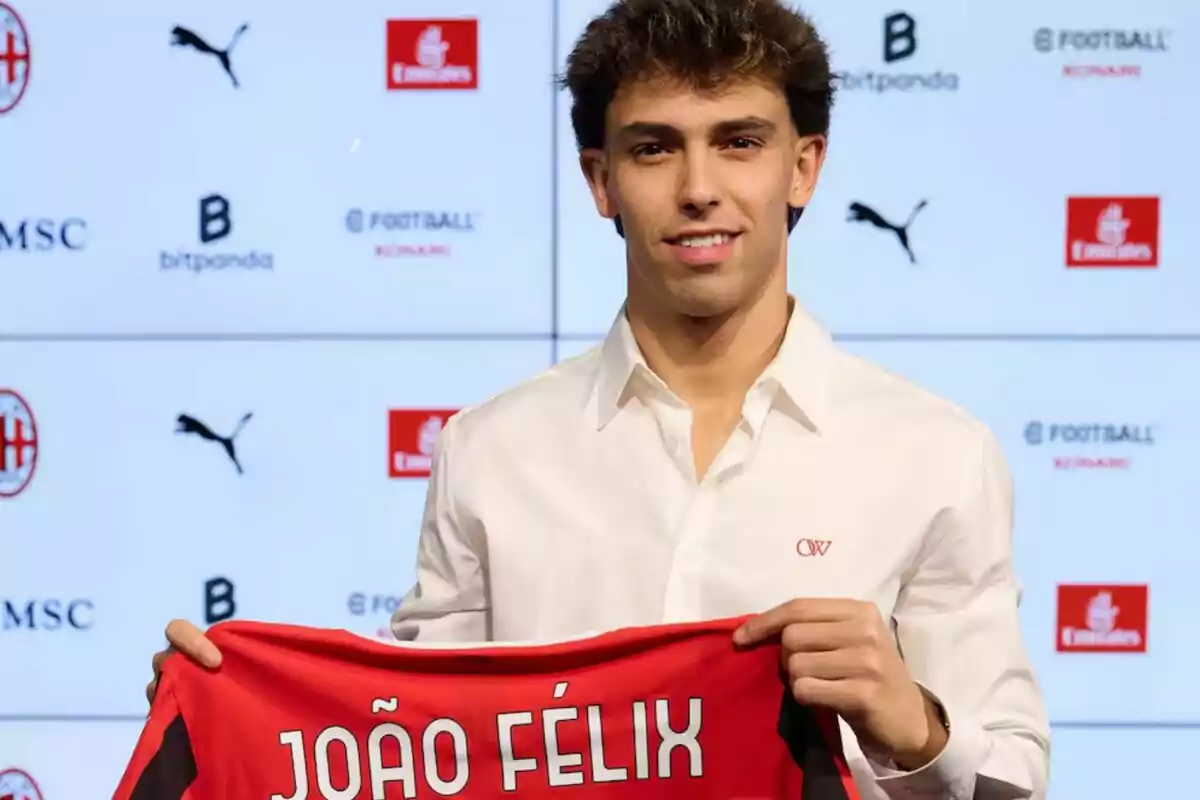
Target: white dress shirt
(569,505)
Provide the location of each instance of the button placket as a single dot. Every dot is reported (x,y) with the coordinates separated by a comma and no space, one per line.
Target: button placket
(682,602)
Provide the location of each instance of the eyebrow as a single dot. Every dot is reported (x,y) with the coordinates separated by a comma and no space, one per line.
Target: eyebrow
(661,130)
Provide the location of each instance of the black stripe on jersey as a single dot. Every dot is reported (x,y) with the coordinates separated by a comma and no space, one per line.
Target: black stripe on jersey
(810,750)
(171,770)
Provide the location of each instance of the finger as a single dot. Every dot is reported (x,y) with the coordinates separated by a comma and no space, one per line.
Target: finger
(151,688)
(815,637)
(811,609)
(834,665)
(848,697)
(161,657)
(189,640)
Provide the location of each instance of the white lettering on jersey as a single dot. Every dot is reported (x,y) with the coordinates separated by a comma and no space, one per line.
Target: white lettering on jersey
(561,768)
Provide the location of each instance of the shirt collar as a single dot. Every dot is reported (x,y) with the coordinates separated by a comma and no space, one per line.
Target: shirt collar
(800,370)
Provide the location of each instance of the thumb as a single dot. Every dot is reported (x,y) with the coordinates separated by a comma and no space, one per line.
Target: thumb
(207,653)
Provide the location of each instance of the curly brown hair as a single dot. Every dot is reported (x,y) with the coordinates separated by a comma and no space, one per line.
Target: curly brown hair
(702,42)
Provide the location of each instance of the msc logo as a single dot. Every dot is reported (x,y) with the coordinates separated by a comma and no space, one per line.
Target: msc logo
(43,235)
(219,603)
(48,615)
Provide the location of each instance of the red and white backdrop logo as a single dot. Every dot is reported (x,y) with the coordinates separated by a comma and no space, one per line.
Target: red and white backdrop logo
(1112,232)
(1098,618)
(14,58)
(432,54)
(18,445)
(412,438)
(16,784)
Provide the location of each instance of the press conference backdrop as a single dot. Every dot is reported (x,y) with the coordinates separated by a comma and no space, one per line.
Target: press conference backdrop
(252,254)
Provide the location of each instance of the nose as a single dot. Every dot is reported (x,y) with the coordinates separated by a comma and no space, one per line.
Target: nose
(697,183)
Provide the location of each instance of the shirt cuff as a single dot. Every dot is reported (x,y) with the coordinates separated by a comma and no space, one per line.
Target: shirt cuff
(949,776)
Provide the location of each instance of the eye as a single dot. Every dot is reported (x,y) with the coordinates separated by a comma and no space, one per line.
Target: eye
(744,143)
(648,149)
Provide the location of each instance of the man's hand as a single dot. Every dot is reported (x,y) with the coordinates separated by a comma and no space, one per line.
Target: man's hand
(186,638)
(838,654)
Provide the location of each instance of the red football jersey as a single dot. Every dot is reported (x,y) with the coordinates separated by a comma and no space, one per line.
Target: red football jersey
(668,711)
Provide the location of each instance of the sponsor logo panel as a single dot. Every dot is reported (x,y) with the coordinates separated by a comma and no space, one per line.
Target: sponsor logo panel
(18,444)
(1091,445)
(1112,232)
(432,54)
(1099,618)
(900,45)
(16,60)
(412,439)
(1102,52)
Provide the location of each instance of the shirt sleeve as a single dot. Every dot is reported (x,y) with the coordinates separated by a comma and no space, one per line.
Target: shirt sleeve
(448,602)
(958,628)
(163,766)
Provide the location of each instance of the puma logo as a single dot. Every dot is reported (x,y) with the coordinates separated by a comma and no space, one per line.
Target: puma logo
(188,424)
(379,704)
(860,212)
(182,37)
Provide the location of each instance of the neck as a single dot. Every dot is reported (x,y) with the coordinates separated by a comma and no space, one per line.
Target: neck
(707,360)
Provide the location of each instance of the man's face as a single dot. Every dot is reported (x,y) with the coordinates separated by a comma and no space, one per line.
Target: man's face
(702,183)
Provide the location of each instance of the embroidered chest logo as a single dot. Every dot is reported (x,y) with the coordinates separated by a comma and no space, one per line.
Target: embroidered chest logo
(807,548)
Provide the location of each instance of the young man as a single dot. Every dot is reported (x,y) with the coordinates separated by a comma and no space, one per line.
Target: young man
(718,454)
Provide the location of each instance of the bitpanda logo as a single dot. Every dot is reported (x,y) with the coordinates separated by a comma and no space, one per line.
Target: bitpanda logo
(900,44)
(219,601)
(216,225)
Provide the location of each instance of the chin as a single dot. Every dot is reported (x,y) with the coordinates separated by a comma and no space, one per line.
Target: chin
(694,301)
(692,291)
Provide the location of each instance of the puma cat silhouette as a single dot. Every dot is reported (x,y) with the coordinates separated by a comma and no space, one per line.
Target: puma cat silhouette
(188,424)
(182,37)
(860,212)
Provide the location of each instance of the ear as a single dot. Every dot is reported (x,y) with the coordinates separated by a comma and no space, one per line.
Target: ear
(595,166)
(809,158)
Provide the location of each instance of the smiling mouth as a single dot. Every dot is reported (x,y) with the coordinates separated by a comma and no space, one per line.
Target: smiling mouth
(706,240)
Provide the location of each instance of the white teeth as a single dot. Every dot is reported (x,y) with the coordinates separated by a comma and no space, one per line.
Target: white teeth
(705,241)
